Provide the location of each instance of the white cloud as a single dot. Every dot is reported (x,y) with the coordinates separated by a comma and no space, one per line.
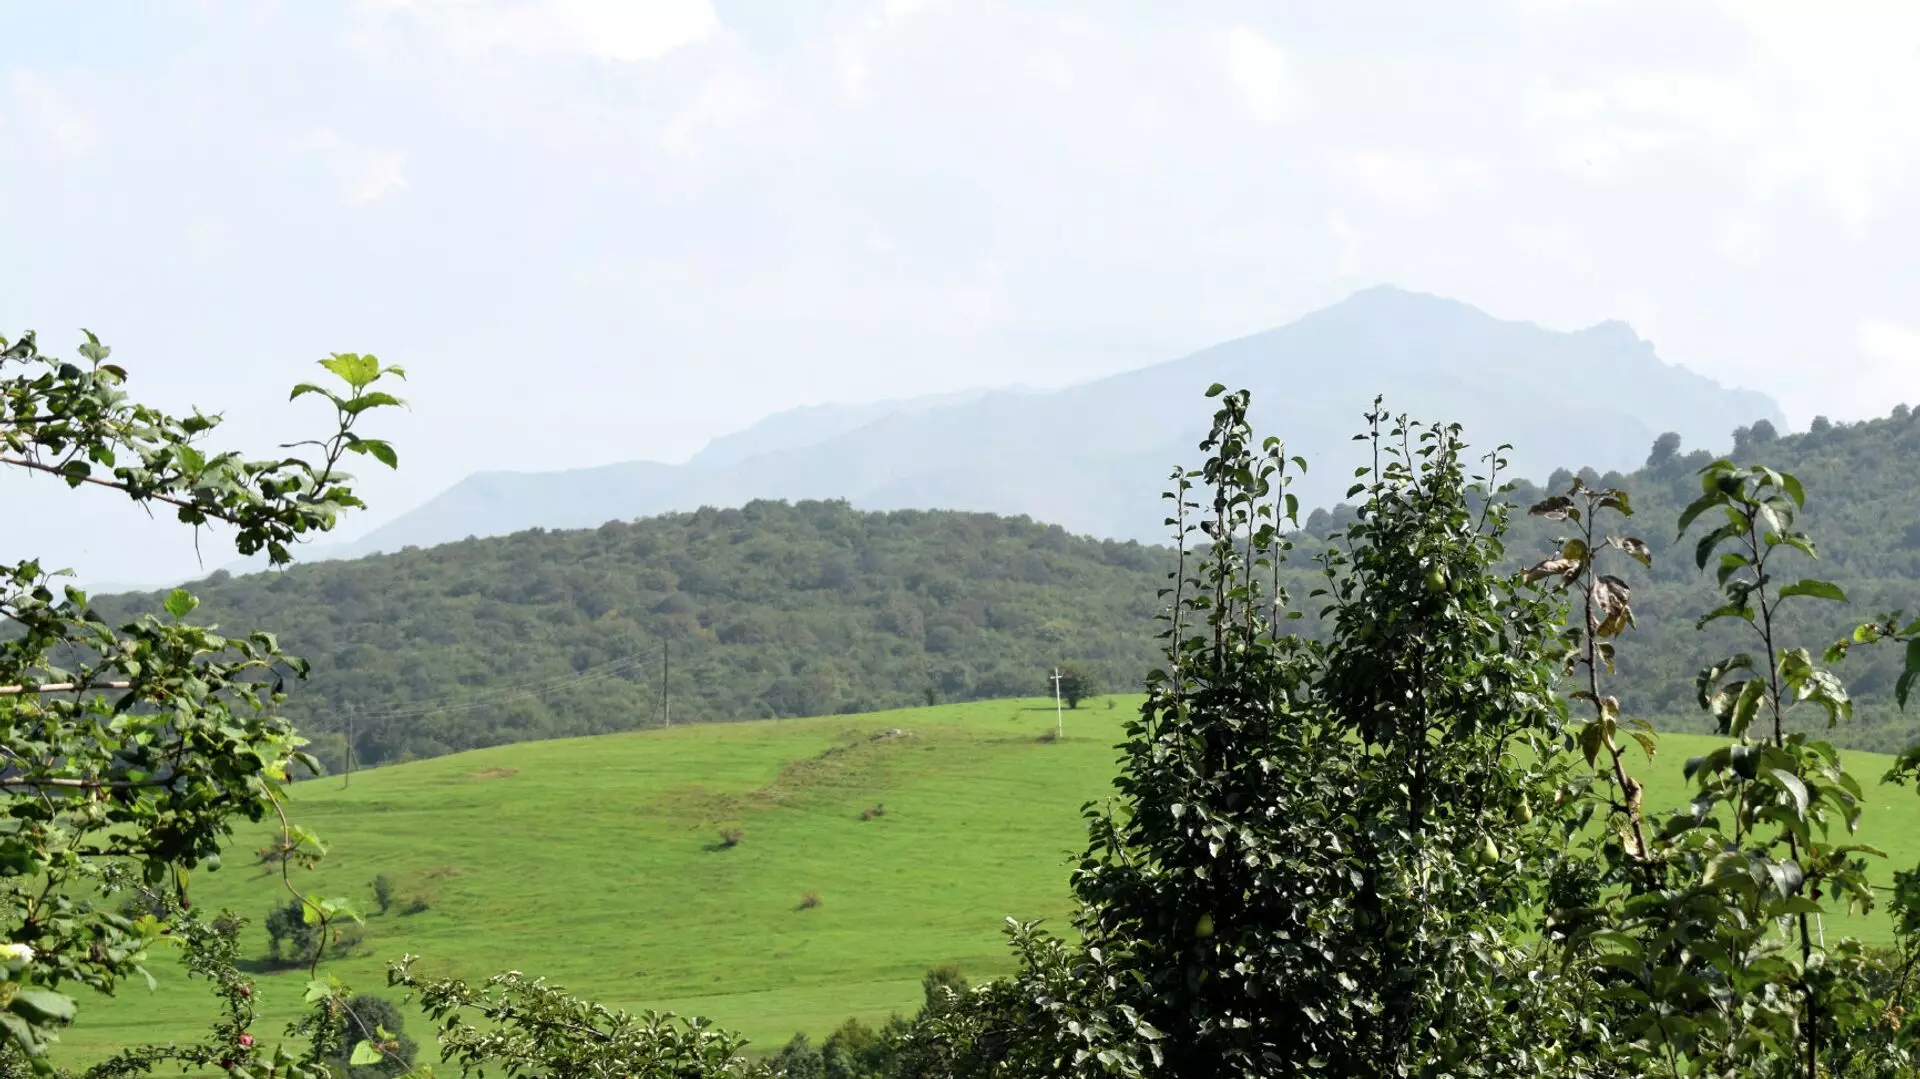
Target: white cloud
(1744,237)
(1894,373)
(363,174)
(620,31)
(1411,181)
(1555,244)
(1263,73)
(1818,102)
(1347,262)
(723,100)
(1054,68)
(1849,73)
(48,117)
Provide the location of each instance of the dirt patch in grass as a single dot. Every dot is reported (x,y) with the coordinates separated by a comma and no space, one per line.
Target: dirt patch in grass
(857,763)
(496,773)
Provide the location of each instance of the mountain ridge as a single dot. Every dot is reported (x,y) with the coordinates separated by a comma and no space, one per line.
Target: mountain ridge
(1091,456)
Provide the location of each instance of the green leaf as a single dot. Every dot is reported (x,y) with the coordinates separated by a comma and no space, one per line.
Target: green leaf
(1216,390)
(1795,786)
(1731,610)
(180,603)
(1700,506)
(1703,551)
(1904,687)
(1746,706)
(42,1006)
(364,1054)
(380,450)
(1815,589)
(355,370)
(376,399)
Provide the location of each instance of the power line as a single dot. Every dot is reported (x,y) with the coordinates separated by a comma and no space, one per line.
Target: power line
(1059,717)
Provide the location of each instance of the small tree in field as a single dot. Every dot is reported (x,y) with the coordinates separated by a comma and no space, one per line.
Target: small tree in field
(395,1050)
(292,940)
(1076,684)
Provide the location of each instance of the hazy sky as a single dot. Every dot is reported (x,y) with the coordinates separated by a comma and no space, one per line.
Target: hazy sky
(596,230)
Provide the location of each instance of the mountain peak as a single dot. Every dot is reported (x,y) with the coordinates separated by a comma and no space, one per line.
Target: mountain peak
(1615,332)
(1400,307)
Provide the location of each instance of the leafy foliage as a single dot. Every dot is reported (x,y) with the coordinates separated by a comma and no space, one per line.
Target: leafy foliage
(1679,921)
(1859,480)
(129,750)
(522,1026)
(1323,857)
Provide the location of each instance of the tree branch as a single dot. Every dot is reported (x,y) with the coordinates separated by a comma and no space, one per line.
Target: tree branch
(61,687)
(156,496)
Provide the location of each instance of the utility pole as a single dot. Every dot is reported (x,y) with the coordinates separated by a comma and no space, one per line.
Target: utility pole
(1059,717)
(666,704)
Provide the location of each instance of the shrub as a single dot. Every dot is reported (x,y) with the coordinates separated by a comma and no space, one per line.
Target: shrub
(809,901)
(348,940)
(730,838)
(382,893)
(1075,684)
(292,941)
(797,1060)
(872,811)
(416,905)
(368,1018)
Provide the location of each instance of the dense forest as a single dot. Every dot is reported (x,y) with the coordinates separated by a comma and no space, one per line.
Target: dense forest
(767,610)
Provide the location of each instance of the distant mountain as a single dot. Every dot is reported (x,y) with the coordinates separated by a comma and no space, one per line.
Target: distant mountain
(1092,457)
(810,425)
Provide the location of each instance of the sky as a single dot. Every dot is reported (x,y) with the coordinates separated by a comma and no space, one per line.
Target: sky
(601,230)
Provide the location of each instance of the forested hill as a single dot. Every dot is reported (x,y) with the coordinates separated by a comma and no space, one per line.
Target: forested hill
(768,610)
(1863,509)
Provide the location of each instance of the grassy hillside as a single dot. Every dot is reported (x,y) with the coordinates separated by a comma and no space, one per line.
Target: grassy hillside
(596,862)
(770,610)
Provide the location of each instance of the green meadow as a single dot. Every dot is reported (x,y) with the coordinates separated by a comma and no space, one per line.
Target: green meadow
(599,864)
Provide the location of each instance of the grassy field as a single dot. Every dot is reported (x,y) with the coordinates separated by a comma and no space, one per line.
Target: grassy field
(596,863)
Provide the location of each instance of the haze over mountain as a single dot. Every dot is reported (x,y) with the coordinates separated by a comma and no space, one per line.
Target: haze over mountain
(1093,456)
